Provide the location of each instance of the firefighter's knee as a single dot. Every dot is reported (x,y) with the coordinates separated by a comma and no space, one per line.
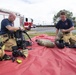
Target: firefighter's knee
(66,39)
(1,53)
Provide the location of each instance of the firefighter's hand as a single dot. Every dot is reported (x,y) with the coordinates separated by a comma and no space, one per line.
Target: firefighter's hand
(63,30)
(21,28)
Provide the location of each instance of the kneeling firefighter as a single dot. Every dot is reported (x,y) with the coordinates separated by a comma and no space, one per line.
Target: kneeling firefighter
(6,26)
(65,26)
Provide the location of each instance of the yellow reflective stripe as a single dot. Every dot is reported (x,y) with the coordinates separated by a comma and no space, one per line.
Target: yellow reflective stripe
(3,47)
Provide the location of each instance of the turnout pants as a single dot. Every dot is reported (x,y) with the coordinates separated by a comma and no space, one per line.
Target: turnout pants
(67,37)
(8,44)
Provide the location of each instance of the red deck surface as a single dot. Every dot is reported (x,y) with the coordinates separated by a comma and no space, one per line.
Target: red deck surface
(43,61)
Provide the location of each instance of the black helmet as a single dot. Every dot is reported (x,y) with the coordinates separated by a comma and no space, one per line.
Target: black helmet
(60,44)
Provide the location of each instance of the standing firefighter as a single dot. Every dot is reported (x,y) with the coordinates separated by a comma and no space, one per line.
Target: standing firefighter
(6,26)
(65,26)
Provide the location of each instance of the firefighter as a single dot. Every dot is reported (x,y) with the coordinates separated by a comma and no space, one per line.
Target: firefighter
(6,26)
(65,26)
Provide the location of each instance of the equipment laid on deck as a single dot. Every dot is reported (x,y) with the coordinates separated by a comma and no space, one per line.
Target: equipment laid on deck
(21,44)
(72,43)
(45,42)
(19,61)
(16,52)
(20,50)
(60,44)
(20,39)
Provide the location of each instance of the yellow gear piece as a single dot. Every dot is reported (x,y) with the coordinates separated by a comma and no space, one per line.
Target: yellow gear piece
(19,61)
(3,47)
(25,52)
